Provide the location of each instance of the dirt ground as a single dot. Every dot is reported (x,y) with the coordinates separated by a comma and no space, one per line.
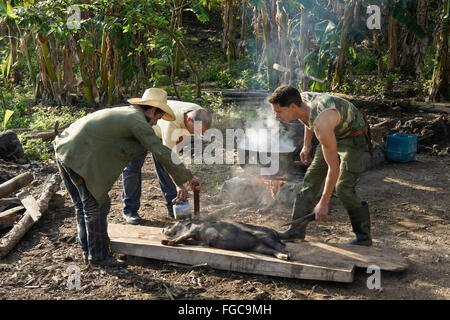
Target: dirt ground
(409,212)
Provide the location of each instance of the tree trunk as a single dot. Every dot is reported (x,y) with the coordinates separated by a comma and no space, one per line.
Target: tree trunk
(103,66)
(305,38)
(178,24)
(339,73)
(393,55)
(50,70)
(229,8)
(26,51)
(243,40)
(256,22)
(282,23)
(377,39)
(420,44)
(268,50)
(440,82)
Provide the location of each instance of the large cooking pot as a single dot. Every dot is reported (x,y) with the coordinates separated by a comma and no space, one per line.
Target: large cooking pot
(255,159)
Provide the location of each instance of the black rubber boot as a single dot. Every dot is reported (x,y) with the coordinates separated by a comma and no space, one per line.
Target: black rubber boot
(302,206)
(360,220)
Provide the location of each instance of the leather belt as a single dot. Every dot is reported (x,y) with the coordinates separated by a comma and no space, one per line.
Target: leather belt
(357,132)
(365,130)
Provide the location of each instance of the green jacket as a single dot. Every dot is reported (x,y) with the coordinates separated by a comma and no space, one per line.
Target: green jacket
(100,145)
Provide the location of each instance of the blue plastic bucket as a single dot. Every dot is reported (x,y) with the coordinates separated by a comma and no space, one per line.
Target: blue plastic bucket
(401,147)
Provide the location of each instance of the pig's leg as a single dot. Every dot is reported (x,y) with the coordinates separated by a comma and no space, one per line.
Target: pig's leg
(181,239)
(262,248)
(269,241)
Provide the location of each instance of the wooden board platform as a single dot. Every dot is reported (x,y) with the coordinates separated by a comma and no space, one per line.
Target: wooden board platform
(309,260)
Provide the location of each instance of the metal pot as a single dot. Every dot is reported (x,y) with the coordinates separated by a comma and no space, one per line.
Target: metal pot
(286,159)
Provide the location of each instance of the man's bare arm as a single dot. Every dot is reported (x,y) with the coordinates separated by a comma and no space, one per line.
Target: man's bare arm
(324,130)
(305,154)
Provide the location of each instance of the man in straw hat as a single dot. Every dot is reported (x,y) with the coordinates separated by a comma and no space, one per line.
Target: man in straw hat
(190,119)
(92,153)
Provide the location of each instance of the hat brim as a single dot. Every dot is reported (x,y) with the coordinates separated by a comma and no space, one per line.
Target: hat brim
(169,115)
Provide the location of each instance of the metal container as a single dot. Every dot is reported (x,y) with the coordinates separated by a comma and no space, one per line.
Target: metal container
(182,210)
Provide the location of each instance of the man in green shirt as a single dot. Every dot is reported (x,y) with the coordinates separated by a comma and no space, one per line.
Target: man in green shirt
(342,132)
(92,153)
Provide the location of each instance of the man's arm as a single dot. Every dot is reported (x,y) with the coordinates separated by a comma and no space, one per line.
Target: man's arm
(305,154)
(324,130)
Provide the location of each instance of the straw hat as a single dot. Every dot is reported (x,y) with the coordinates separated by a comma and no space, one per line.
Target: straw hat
(155,97)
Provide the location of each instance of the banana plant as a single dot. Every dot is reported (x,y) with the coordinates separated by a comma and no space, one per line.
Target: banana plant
(8,114)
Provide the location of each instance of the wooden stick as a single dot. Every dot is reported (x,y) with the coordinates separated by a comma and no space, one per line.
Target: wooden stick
(9,241)
(9,201)
(15,184)
(9,217)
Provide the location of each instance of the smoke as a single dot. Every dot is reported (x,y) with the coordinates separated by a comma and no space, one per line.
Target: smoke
(266,133)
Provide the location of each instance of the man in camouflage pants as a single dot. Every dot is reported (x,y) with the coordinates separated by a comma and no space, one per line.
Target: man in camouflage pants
(342,132)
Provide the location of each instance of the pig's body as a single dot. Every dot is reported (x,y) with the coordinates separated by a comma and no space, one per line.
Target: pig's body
(227,235)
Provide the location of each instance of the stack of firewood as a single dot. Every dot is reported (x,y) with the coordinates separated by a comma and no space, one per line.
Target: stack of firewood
(22,211)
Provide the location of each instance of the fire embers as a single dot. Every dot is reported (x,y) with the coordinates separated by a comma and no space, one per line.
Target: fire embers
(273,183)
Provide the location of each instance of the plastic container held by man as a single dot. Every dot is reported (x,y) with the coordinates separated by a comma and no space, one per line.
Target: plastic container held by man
(182,210)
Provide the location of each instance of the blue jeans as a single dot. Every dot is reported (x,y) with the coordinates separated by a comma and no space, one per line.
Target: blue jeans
(132,180)
(92,226)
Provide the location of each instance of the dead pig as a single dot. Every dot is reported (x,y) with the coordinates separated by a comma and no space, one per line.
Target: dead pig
(226,235)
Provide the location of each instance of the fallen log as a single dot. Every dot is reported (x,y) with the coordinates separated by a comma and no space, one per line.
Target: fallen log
(9,241)
(46,135)
(9,217)
(15,184)
(9,201)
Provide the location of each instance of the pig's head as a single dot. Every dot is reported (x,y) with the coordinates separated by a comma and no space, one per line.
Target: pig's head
(177,229)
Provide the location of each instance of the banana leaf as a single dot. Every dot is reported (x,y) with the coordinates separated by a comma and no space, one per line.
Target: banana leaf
(8,115)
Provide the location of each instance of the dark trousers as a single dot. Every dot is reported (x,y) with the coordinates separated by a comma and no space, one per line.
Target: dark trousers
(92,226)
(132,180)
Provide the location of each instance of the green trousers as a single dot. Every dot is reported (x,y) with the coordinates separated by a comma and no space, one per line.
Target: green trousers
(351,153)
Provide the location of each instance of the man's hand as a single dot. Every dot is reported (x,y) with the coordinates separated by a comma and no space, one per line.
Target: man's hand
(182,193)
(195,184)
(305,155)
(321,211)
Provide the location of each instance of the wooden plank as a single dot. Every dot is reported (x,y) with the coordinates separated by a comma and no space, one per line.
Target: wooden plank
(334,254)
(30,204)
(8,217)
(146,242)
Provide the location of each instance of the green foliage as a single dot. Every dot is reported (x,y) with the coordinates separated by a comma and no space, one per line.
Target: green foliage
(426,74)
(36,149)
(366,64)
(17,99)
(44,118)
(389,80)
(366,85)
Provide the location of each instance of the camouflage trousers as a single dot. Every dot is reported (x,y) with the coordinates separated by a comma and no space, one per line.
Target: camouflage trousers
(350,151)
